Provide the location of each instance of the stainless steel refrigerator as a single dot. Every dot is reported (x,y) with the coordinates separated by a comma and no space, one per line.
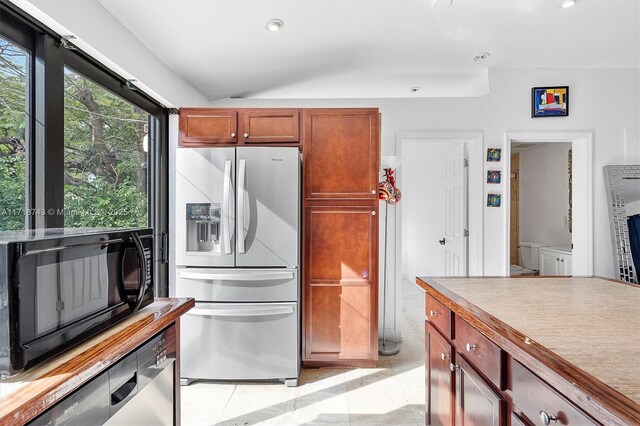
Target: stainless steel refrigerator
(237,245)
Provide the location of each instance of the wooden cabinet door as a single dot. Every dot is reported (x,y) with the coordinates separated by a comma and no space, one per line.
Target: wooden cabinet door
(270,126)
(342,151)
(204,126)
(439,380)
(340,275)
(476,402)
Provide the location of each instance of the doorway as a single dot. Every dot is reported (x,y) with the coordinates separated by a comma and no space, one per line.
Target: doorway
(540,208)
(473,142)
(579,217)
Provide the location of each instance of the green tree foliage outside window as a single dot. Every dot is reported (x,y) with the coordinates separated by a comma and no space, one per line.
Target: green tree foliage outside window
(13,112)
(105,158)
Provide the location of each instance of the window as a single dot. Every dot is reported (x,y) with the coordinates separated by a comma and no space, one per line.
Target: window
(14,110)
(105,157)
(78,146)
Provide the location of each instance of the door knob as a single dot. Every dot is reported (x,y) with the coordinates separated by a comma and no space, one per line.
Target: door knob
(442,242)
(547,418)
(246,135)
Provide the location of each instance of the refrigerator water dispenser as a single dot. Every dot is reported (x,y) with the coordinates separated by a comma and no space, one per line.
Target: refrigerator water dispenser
(203,227)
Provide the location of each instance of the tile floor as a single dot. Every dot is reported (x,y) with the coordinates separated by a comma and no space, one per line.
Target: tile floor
(391,394)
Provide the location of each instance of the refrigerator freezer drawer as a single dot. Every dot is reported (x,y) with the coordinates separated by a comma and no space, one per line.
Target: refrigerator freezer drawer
(238,285)
(240,341)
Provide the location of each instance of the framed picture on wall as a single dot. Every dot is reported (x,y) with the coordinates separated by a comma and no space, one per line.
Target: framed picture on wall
(494,154)
(550,101)
(494,200)
(494,176)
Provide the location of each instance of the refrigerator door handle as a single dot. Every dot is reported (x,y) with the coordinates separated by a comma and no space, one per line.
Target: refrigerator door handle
(241,206)
(226,193)
(234,312)
(248,276)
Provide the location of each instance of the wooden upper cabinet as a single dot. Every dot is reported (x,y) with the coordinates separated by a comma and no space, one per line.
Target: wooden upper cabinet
(205,126)
(270,126)
(342,153)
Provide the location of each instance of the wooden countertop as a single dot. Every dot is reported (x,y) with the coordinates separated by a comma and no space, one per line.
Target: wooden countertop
(584,331)
(26,395)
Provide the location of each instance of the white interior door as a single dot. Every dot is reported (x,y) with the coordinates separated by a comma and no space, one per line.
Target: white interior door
(455,238)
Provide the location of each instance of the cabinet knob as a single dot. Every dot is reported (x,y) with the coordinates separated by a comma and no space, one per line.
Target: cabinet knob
(433,313)
(373,213)
(246,135)
(444,356)
(233,135)
(471,347)
(557,259)
(453,367)
(373,191)
(561,260)
(547,418)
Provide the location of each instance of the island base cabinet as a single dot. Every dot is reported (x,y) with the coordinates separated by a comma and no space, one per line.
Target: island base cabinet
(476,402)
(439,379)
(540,403)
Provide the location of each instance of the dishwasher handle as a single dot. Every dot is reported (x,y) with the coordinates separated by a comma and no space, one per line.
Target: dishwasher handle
(235,312)
(124,391)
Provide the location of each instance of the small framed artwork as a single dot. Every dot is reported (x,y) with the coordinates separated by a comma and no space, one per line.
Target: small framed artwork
(550,101)
(494,200)
(494,176)
(494,154)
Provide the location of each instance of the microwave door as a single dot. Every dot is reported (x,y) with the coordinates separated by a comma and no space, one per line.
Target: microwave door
(268,200)
(205,207)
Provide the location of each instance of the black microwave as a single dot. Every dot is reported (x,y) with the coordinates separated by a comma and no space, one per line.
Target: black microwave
(59,287)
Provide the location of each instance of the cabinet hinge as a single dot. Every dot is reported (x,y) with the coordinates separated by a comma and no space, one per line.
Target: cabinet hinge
(466,162)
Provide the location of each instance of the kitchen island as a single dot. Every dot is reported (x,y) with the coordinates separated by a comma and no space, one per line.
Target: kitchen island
(532,350)
(53,385)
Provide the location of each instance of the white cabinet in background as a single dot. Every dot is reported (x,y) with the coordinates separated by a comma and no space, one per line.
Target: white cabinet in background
(555,261)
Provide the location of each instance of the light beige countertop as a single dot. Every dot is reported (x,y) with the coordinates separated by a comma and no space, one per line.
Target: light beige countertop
(593,323)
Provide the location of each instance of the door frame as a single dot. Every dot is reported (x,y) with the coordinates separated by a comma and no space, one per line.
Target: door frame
(475,144)
(582,194)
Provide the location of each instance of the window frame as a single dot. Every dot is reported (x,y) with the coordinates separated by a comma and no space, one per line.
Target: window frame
(44,148)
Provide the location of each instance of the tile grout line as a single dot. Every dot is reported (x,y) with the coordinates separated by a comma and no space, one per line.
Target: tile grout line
(226,404)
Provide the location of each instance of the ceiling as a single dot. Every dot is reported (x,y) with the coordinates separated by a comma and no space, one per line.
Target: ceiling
(374,48)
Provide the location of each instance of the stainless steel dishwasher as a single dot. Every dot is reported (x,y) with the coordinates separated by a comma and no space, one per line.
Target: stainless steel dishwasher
(138,390)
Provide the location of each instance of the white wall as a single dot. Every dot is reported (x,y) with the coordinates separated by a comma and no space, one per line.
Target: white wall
(108,41)
(544,195)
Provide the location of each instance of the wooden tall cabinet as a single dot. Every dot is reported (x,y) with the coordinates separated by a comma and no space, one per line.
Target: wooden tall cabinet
(340,236)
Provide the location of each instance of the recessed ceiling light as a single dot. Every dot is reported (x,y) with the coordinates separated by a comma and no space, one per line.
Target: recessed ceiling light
(482,56)
(567,3)
(414,89)
(441,4)
(274,25)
